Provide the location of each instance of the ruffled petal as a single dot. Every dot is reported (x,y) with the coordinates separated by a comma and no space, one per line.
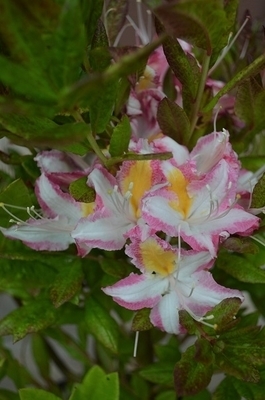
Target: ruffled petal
(55,202)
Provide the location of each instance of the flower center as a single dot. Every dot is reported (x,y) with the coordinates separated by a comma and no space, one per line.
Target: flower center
(137,181)
(156,259)
(178,185)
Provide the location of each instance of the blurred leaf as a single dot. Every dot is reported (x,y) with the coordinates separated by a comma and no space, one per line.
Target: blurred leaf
(100,39)
(36,394)
(240,268)
(192,374)
(80,191)
(8,395)
(28,318)
(187,72)
(67,51)
(247,72)
(120,137)
(25,126)
(97,385)
(141,321)
(245,100)
(249,390)
(67,283)
(44,132)
(41,355)
(187,322)
(16,194)
(226,391)
(100,324)
(88,87)
(71,346)
(140,387)
(14,370)
(258,195)
(115,17)
(91,11)
(173,121)
(231,8)
(116,268)
(169,351)
(159,373)
(18,77)
(240,245)
(204,395)
(224,313)
(166,395)
(195,22)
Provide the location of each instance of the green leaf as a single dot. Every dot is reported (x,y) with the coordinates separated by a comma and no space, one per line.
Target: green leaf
(204,395)
(26,127)
(116,268)
(41,355)
(8,395)
(101,106)
(43,131)
(18,77)
(91,11)
(115,17)
(226,391)
(258,196)
(141,321)
(224,313)
(36,394)
(67,283)
(14,370)
(71,346)
(88,87)
(97,385)
(140,387)
(100,39)
(16,194)
(240,245)
(167,395)
(120,137)
(173,121)
(80,191)
(68,47)
(169,351)
(251,391)
(247,72)
(100,324)
(245,100)
(195,22)
(186,71)
(187,322)
(193,374)
(32,317)
(240,268)
(159,373)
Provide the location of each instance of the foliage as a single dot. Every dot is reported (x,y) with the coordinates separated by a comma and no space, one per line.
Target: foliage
(70,91)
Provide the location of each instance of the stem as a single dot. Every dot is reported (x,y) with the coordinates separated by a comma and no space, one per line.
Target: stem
(93,143)
(197,104)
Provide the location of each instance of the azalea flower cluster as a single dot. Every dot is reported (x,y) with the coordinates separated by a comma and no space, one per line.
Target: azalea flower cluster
(171,216)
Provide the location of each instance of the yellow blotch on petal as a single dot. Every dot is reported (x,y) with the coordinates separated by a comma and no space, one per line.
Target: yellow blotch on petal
(146,80)
(138,182)
(88,208)
(156,259)
(178,184)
